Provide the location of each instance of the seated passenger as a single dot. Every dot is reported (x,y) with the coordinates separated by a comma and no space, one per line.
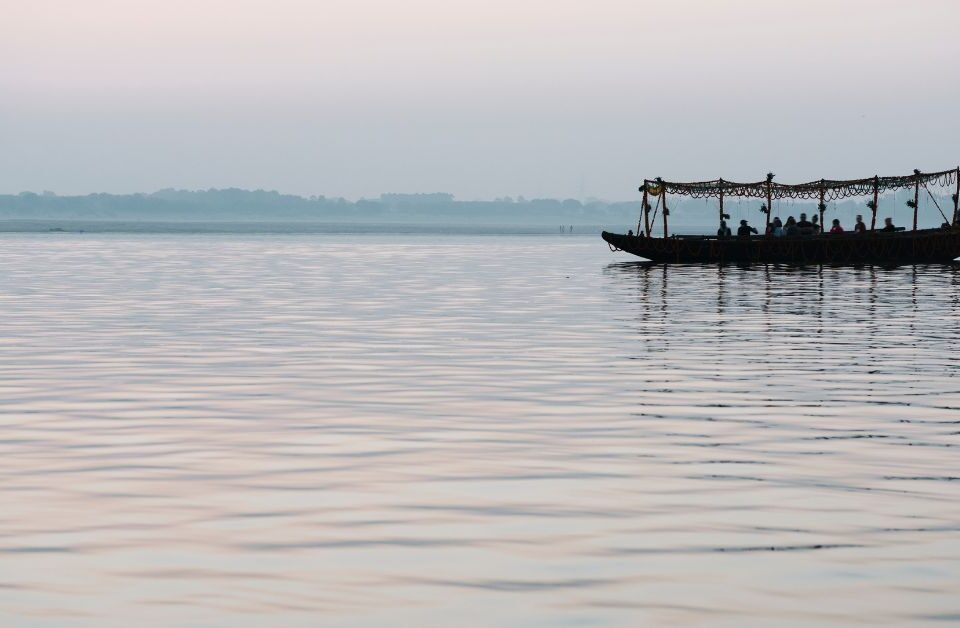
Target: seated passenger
(745,230)
(888,225)
(724,230)
(804,225)
(816,225)
(791,228)
(776,227)
(836,228)
(859,227)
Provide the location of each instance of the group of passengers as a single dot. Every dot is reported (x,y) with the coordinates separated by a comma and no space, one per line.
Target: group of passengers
(793,227)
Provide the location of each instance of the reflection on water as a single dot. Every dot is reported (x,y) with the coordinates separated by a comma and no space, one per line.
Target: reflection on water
(376,430)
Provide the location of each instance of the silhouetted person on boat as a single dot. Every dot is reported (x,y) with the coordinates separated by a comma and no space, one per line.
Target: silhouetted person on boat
(836,228)
(816,225)
(888,225)
(859,227)
(791,228)
(776,227)
(804,225)
(724,231)
(745,230)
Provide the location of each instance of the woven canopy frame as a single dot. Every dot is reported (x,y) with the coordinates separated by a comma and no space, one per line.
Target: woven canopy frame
(831,189)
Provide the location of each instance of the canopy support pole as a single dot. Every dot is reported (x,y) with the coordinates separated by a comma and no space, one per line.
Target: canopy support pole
(956,201)
(916,200)
(721,200)
(876,198)
(822,206)
(666,212)
(769,200)
(646,213)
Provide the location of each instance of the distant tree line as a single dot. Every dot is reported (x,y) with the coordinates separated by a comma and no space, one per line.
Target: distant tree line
(262,205)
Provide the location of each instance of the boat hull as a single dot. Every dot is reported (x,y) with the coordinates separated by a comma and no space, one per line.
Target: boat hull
(928,246)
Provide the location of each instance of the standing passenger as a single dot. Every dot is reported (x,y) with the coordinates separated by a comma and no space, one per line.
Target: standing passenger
(745,230)
(724,230)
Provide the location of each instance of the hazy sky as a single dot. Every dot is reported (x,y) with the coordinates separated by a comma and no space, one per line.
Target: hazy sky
(479,98)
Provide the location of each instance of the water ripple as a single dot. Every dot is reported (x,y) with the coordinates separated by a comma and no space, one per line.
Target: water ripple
(458,430)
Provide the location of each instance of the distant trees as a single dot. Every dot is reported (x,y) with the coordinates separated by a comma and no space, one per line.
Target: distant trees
(416,199)
(234,204)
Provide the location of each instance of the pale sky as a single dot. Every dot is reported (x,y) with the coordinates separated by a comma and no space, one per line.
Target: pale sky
(480,98)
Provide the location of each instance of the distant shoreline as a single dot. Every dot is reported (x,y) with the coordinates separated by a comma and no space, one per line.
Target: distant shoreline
(56,227)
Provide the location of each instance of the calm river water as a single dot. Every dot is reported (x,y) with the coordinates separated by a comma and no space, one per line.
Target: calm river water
(372,430)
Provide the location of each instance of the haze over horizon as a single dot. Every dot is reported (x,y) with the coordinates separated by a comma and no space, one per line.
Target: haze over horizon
(478,99)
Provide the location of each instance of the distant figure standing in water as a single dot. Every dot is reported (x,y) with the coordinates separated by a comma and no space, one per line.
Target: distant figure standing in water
(859,227)
(836,228)
(745,230)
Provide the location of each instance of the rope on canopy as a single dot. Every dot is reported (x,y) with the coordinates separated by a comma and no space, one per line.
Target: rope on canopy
(831,189)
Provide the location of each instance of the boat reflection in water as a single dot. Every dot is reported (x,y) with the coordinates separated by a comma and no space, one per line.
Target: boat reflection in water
(820,407)
(779,304)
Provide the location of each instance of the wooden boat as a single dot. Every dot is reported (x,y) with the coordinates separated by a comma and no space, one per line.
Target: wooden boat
(926,246)
(874,246)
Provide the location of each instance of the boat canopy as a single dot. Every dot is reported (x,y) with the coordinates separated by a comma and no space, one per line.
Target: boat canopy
(823,189)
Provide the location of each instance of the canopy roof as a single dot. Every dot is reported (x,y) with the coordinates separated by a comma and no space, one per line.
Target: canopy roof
(832,189)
